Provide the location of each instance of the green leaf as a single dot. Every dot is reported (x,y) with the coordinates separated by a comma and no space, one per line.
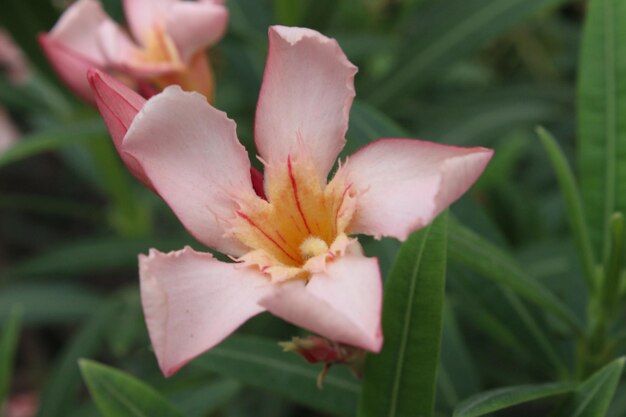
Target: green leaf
(48,303)
(593,396)
(613,265)
(62,385)
(8,345)
(573,203)
(493,114)
(261,363)
(288,12)
(536,332)
(130,218)
(51,206)
(89,255)
(601,125)
(446,33)
(118,394)
(458,376)
(25,21)
(499,399)
(368,124)
(52,139)
(205,400)
(401,380)
(250,19)
(485,258)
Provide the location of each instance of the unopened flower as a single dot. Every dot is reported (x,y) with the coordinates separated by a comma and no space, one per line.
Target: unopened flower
(295,253)
(167,44)
(315,349)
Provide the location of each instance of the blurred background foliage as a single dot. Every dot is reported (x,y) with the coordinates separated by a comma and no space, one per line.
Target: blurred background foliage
(463,72)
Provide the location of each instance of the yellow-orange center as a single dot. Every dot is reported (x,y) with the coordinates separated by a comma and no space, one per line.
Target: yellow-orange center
(301,218)
(194,74)
(159,48)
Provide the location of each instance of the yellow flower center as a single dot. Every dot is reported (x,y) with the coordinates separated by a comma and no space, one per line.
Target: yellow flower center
(192,75)
(159,48)
(301,218)
(312,247)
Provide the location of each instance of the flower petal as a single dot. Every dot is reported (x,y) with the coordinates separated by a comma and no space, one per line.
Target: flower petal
(195,25)
(69,66)
(190,152)
(343,304)
(306,95)
(77,30)
(73,45)
(403,184)
(116,46)
(118,105)
(192,301)
(124,56)
(143,15)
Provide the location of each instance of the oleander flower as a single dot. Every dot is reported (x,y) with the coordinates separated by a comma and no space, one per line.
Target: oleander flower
(168,43)
(292,244)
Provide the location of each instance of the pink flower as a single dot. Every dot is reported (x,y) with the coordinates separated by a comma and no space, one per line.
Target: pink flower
(294,251)
(12,59)
(21,405)
(170,36)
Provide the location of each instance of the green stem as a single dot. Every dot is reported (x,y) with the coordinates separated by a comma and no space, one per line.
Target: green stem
(604,305)
(130,218)
(613,264)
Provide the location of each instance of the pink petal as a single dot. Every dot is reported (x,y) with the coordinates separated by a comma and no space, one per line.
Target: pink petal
(343,304)
(122,55)
(116,46)
(118,105)
(143,15)
(69,66)
(73,45)
(403,184)
(77,30)
(192,301)
(194,26)
(190,153)
(306,95)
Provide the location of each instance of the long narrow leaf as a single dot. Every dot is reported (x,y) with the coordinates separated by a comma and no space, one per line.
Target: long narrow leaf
(593,397)
(118,394)
(499,399)
(573,203)
(446,33)
(52,139)
(487,259)
(62,385)
(89,255)
(205,400)
(401,380)
(8,345)
(601,125)
(48,303)
(261,363)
